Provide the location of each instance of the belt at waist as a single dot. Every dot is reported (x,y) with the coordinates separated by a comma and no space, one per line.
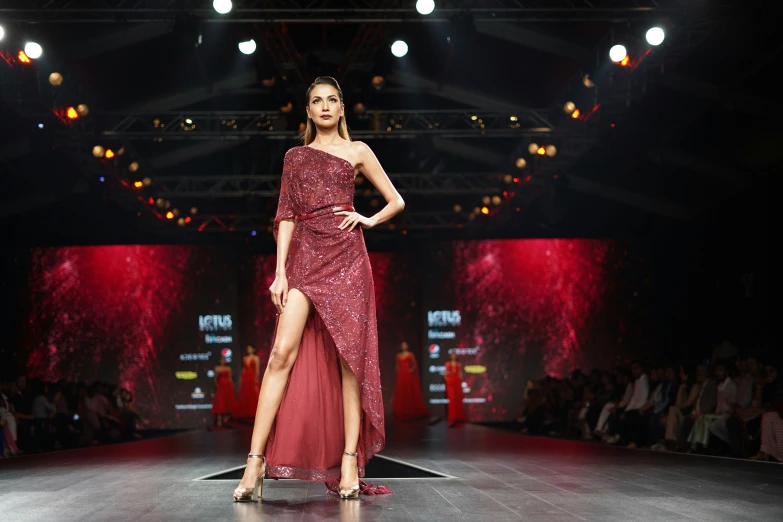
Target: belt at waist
(325,211)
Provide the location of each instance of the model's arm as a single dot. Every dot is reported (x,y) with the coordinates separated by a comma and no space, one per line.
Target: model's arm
(283,230)
(414,367)
(372,170)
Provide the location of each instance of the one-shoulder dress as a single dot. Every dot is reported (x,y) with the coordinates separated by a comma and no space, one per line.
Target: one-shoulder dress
(332,268)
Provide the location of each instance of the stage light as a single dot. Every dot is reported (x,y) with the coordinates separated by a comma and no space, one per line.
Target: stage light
(222,6)
(71,113)
(587,82)
(2,33)
(532,148)
(253,233)
(169,215)
(109,154)
(134,166)
(187,219)
(655,36)
(569,107)
(101,179)
(33,50)
(98,151)
(541,151)
(160,202)
(496,200)
(56,79)
(425,7)
(83,110)
(248,47)
(181,222)
(508,178)
(521,163)
(486,200)
(551,150)
(147,181)
(399,48)
(484,210)
(575,115)
(194,210)
(359,108)
(617,53)
(40,125)
(23,58)
(457,208)
(138,184)
(625,61)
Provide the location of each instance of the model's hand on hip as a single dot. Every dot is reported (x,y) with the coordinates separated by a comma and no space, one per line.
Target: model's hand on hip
(279,291)
(354,218)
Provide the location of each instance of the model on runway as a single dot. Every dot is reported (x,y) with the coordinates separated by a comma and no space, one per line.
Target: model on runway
(249,383)
(320,410)
(408,400)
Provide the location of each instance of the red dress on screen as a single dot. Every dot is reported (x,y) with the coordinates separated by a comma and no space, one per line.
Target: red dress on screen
(248,390)
(224,402)
(408,401)
(332,268)
(454,393)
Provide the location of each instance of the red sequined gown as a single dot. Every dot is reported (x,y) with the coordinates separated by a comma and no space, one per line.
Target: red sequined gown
(248,390)
(332,268)
(408,401)
(224,402)
(454,393)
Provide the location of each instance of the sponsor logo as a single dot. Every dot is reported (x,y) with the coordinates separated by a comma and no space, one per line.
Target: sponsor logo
(437,369)
(474,368)
(210,373)
(434,350)
(434,387)
(226,352)
(197,394)
(444,318)
(214,323)
(193,406)
(437,334)
(195,356)
(186,376)
(465,351)
(218,339)
(466,400)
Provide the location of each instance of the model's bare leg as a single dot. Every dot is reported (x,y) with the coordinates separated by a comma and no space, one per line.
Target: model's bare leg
(352,416)
(281,360)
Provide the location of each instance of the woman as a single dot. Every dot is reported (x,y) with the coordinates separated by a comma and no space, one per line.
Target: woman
(408,401)
(323,292)
(453,377)
(687,395)
(224,402)
(248,384)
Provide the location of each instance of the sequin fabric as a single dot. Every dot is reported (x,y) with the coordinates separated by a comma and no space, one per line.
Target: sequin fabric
(332,268)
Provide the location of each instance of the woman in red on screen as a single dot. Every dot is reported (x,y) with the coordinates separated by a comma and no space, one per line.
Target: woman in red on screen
(224,402)
(453,377)
(408,401)
(320,410)
(249,383)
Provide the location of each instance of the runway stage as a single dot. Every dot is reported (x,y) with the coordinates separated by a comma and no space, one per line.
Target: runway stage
(491,475)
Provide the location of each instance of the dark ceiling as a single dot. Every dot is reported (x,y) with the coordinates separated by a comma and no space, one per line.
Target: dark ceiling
(690,128)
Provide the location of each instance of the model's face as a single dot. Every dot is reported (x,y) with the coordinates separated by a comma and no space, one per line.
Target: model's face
(250,350)
(404,347)
(324,106)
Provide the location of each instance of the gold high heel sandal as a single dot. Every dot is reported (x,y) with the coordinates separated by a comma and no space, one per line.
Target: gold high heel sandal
(353,492)
(246,494)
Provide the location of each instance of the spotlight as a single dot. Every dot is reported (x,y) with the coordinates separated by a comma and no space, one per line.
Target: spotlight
(378,82)
(71,113)
(40,125)
(425,7)
(194,210)
(2,33)
(83,110)
(457,208)
(399,48)
(97,151)
(109,154)
(496,200)
(486,200)
(617,53)
(138,184)
(569,107)
(551,150)
(575,115)
(56,79)
(222,6)
(521,163)
(484,210)
(33,50)
(541,151)
(587,82)
(359,108)
(532,148)
(248,47)
(23,58)
(146,181)
(169,215)
(134,166)
(253,232)
(655,36)
(181,222)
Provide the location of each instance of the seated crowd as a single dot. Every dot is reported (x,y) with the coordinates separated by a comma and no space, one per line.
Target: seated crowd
(40,416)
(730,408)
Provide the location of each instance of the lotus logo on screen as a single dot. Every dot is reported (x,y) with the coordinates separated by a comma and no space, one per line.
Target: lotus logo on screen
(226,352)
(215,323)
(434,351)
(444,318)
